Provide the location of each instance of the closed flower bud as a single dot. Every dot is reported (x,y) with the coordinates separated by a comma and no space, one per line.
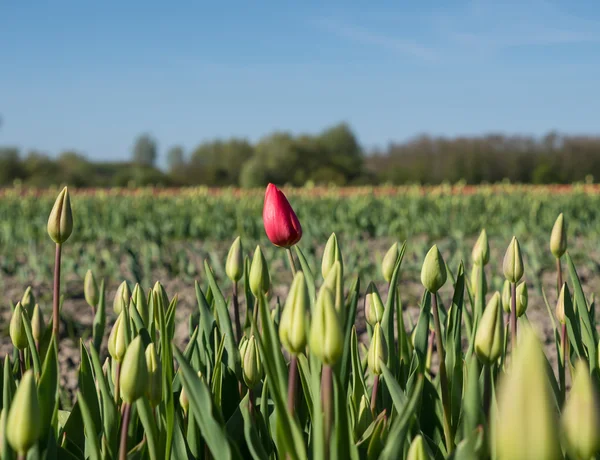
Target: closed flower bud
(122,297)
(326,340)
(389,262)
(159,293)
(260,281)
(418,449)
(141,304)
(513,262)
(117,340)
(281,224)
(377,351)
(154,387)
(184,402)
(90,289)
(560,304)
(23,428)
(331,255)
(489,338)
(234,267)
(522,299)
(134,372)
(481,250)
(28,301)
(293,325)
(527,425)
(373,305)
(18,336)
(581,416)
(433,272)
(475,278)
(506,296)
(251,363)
(558,238)
(334,282)
(38,326)
(60,222)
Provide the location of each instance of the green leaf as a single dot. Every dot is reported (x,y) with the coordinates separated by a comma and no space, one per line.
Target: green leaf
(207,320)
(345,362)
(171,317)
(308,275)
(398,397)
(92,446)
(74,428)
(8,391)
(48,388)
(217,377)
(572,322)
(359,387)
(250,432)
(87,386)
(422,332)
(305,378)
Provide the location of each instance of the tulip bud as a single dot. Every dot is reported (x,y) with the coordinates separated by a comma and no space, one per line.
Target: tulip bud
(260,281)
(418,449)
(134,372)
(141,304)
(160,293)
(489,338)
(184,402)
(38,326)
(293,323)
(581,415)
(373,305)
(154,388)
(334,282)
(122,297)
(326,340)
(506,296)
(234,267)
(560,305)
(117,340)
(364,418)
(513,262)
(90,289)
(251,364)
(475,278)
(60,222)
(331,255)
(28,301)
(522,299)
(527,424)
(17,328)
(389,262)
(558,238)
(433,272)
(377,351)
(281,224)
(481,250)
(23,428)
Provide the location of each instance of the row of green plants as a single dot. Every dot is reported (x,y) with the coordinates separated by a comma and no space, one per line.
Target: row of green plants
(292,380)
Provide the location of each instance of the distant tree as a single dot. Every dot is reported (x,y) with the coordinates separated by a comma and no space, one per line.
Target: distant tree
(145,150)
(219,163)
(11,167)
(175,158)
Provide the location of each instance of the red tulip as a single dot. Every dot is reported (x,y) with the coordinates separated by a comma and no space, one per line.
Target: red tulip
(281,224)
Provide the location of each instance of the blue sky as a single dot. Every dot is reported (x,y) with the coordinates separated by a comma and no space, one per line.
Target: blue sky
(91,76)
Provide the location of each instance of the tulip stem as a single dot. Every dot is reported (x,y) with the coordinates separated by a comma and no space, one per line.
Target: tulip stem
(236,313)
(251,402)
(559,277)
(292,385)
(291,259)
(326,395)
(513,316)
(374,394)
(117,383)
(124,428)
(56,294)
(22,362)
(563,358)
(443,376)
(487,389)
(22,456)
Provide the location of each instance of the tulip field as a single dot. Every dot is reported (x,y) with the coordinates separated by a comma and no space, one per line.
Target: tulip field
(362,323)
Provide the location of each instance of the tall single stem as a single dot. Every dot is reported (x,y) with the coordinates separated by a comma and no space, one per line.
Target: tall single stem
(117,383)
(22,361)
(443,377)
(487,389)
(559,277)
(513,316)
(374,394)
(251,402)
(236,313)
(326,395)
(124,428)
(56,295)
(291,259)
(292,385)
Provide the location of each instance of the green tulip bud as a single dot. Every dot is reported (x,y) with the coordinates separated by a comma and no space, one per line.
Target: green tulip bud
(481,250)
(122,297)
(326,340)
(558,238)
(527,424)
(489,338)
(90,289)
(234,268)
(141,304)
(335,283)
(331,255)
(23,428)
(159,293)
(251,363)
(60,222)
(117,340)
(389,262)
(154,387)
(581,416)
(28,301)
(184,402)
(418,449)
(38,326)
(17,328)
(293,323)
(513,262)
(475,278)
(364,418)
(522,299)
(260,281)
(560,304)
(433,272)
(134,372)
(377,351)
(373,305)
(506,296)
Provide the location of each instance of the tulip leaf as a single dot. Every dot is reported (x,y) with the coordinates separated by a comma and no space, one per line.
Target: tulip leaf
(398,397)
(308,275)
(92,446)
(207,320)
(359,387)
(305,378)
(87,386)
(48,387)
(345,362)
(8,391)
(251,435)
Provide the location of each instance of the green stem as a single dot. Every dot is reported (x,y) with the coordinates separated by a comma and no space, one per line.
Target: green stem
(291,259)
(117,383)
(559,277)
(326,395)
(124,428)
(236,313)
(487,389)
(56,293)
(292,385)
(513,316)
(22,361)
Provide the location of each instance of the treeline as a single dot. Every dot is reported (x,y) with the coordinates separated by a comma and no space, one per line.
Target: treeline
(332,157)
